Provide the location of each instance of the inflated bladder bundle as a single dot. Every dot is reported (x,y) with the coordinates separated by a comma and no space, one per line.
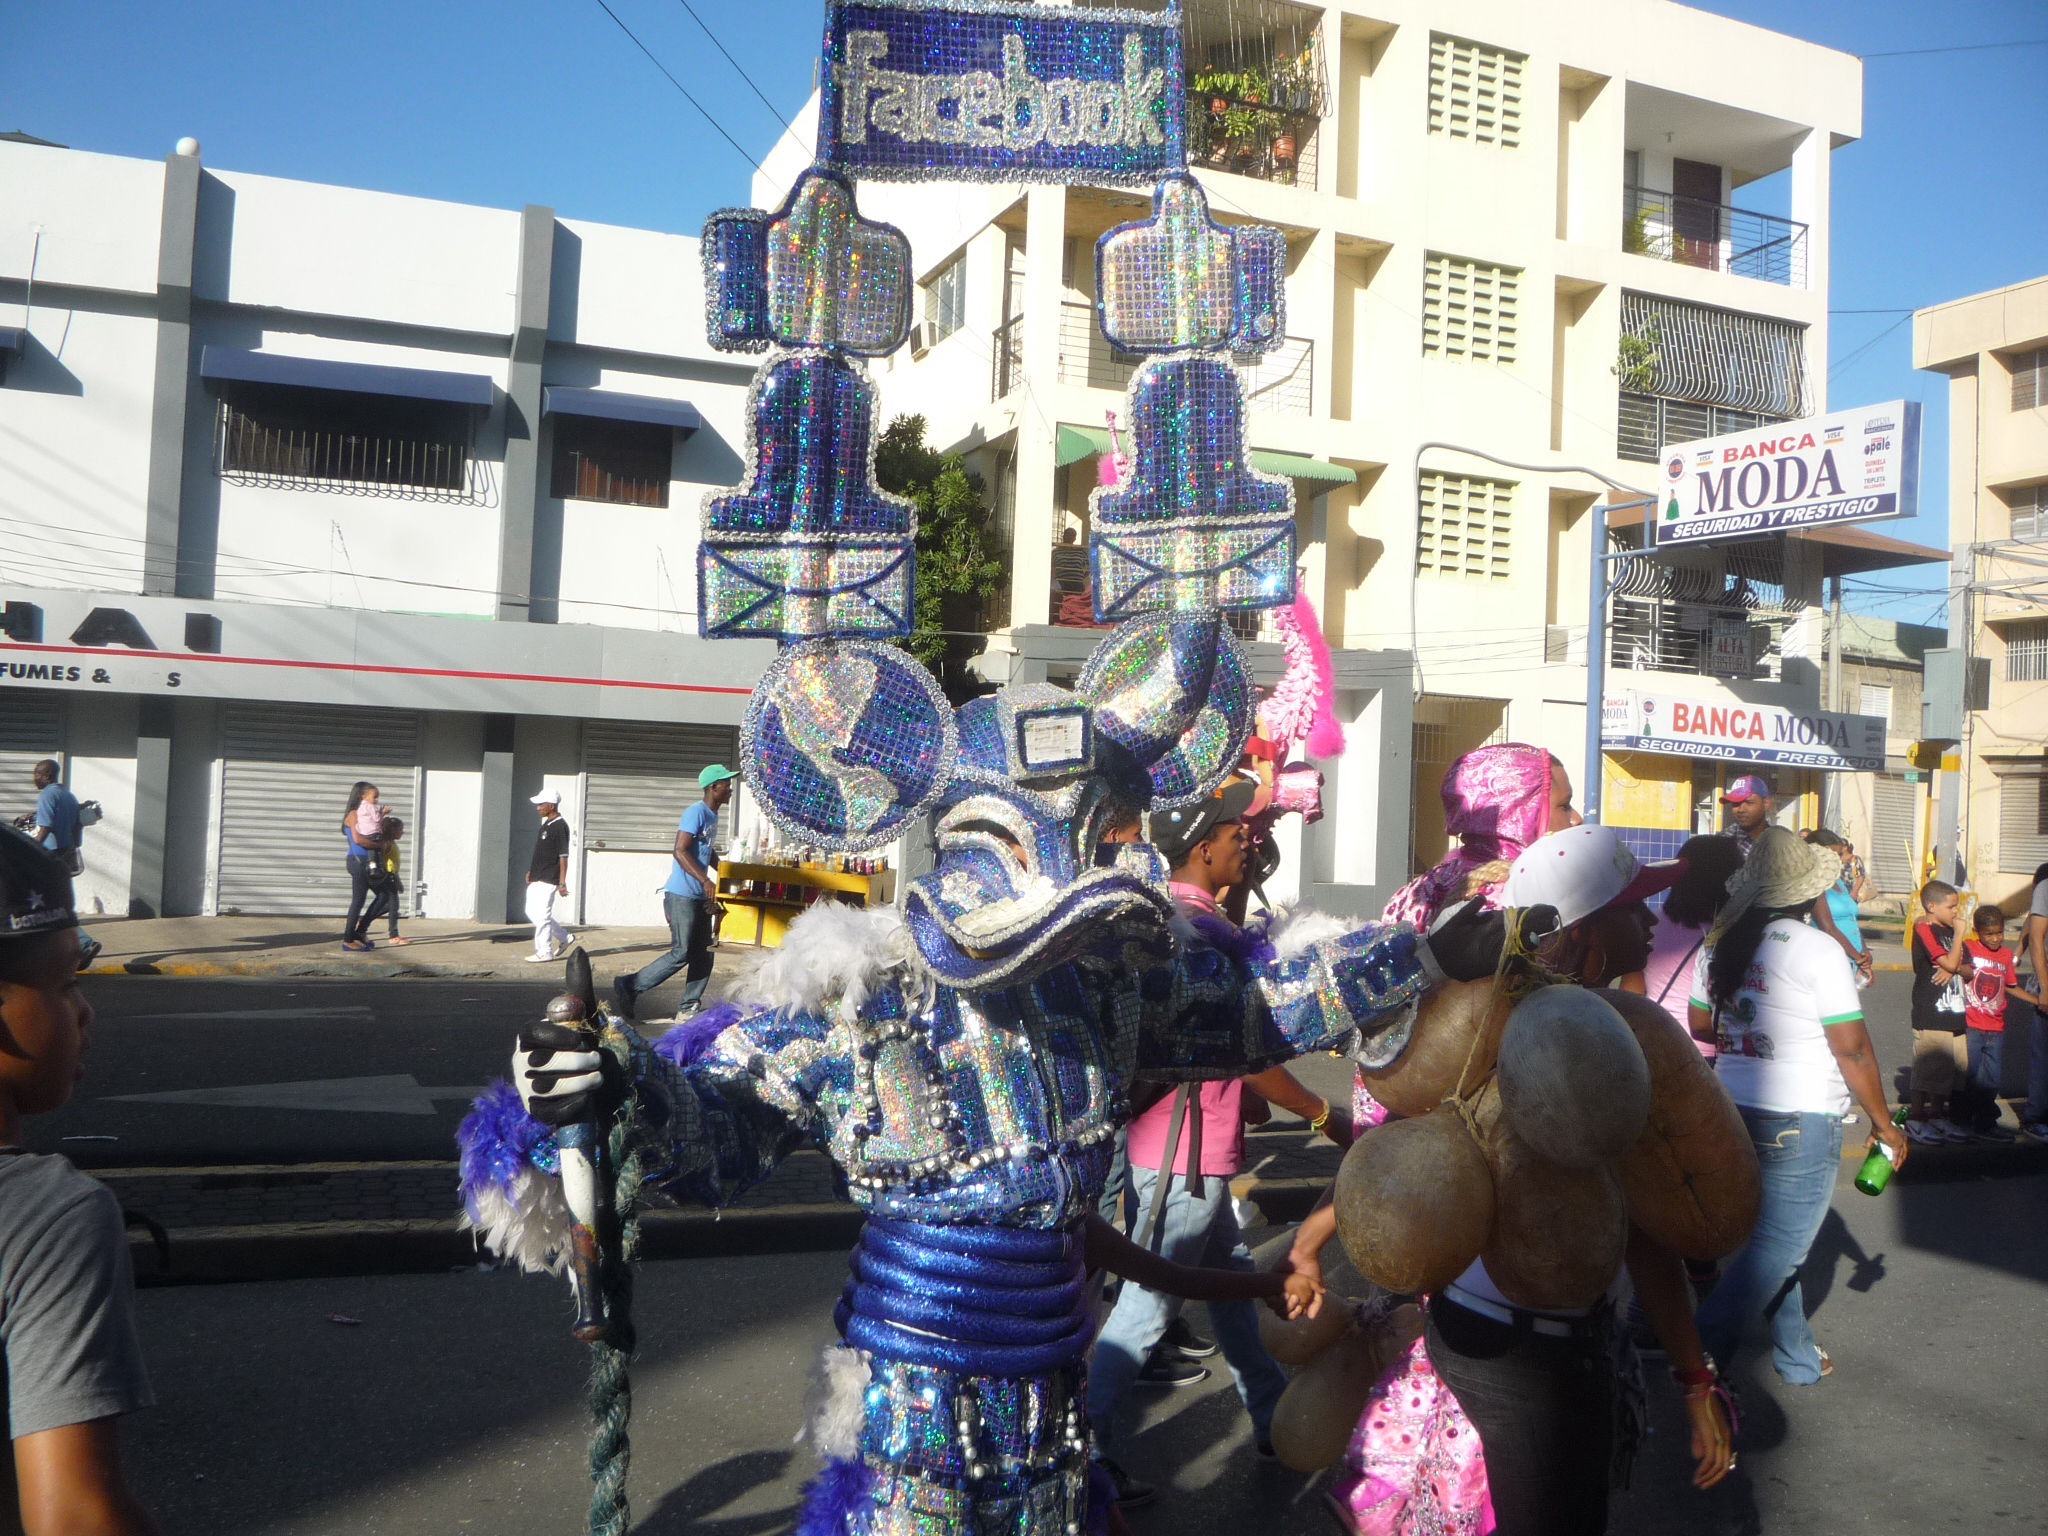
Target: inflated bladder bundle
(1574,1086)
(1457,1032)
(1558,1232)
(1691,1176)
(1415,1201)
(1313,1420)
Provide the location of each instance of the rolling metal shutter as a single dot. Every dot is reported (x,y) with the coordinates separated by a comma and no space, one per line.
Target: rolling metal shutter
(639,776)
(31,729)
(1894,835)
(2022,820)
(285,776)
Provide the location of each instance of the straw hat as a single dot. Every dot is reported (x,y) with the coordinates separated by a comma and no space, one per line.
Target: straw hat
(1781,871)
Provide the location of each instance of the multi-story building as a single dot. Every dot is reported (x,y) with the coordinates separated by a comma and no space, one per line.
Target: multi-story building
(1561,235)
(305,484)
(1994,349)
(1887,814)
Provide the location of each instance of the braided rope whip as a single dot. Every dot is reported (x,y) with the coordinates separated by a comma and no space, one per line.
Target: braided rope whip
(611,1388)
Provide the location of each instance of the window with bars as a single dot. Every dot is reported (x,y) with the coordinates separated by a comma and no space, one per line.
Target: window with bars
(1649,423)
(1718,356)
(626,463)
(2026,652)
(1469,309)
(1465,526)
(2029,379)
(2029,506)
(1475,91)
(945,298)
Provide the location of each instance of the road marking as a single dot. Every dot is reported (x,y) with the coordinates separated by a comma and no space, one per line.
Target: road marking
(396,1094)
(349,1011)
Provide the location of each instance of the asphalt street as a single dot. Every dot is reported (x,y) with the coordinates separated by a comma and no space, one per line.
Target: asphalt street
(437,1403)
(288,1071)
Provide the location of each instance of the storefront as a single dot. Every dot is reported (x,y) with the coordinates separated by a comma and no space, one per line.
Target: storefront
(1668,760)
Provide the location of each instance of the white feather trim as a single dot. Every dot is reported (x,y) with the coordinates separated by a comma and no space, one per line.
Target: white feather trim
(527,1224)
(1293,929)
(832,950)
(835,1405)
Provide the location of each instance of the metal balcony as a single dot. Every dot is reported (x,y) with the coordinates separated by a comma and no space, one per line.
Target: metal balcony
(1282,381)
(1696,233)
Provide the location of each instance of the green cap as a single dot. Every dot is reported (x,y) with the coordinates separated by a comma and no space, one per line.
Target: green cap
(714,774)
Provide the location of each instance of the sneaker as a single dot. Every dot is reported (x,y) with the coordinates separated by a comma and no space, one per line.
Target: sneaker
(1167,1369)
(623,996)
(1997,1133)
(1130,1493)
(1924,1132)
(2038,1129)
(542,959)
(1183,1337)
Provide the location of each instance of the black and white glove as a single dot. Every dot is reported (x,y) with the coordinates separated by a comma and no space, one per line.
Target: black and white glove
(562,1076)
(1466,942)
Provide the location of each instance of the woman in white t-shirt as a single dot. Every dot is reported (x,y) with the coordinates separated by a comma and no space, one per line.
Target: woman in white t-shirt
(1780,999)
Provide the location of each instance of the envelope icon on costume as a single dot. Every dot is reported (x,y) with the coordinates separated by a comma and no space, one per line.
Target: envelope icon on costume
(1198,565)
(805,589)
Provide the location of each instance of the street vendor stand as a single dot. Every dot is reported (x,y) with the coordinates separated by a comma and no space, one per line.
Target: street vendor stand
(754,916)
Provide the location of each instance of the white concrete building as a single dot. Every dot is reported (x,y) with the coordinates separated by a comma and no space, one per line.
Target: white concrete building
(304,484)
(1481,201)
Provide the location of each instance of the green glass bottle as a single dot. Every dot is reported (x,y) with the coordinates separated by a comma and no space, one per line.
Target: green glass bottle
(1876,1171)
(1899,1116)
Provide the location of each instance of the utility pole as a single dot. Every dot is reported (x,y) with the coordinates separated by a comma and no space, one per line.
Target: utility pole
(1598,590)
(1831,784)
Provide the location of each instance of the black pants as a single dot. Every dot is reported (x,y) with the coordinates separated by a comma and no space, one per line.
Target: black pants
(384,904)
(357,927)
(1544,1409)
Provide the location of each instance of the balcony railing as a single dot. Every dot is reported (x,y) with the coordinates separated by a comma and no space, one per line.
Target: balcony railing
(1251,139)
(1007,357)
(1697,233)
(1283,380)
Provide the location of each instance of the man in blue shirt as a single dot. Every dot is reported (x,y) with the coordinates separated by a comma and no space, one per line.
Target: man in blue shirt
(689,899)
(56,822)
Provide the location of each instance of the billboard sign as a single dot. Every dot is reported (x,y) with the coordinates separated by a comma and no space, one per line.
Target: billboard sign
(1854,466)
(1734,731)
(984,90)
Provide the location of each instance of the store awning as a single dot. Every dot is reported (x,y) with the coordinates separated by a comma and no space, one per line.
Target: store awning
(230,365)
(1076,443)
(611,405)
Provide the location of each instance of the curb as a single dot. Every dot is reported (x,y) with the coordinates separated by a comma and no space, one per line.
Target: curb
(372,971)
(406,1245)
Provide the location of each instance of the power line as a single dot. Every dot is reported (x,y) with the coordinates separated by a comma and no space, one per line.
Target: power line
(735,63)
(1908,53)
(672,80)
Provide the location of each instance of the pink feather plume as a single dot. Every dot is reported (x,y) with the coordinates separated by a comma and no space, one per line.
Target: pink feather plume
(1303,704)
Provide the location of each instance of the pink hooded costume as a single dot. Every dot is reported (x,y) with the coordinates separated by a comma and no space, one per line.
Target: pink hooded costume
(1414,1466)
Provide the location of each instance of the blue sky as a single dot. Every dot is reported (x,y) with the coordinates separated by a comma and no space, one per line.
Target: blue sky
(520,101)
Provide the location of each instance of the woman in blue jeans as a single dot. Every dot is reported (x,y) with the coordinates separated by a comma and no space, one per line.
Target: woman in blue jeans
(1779,999)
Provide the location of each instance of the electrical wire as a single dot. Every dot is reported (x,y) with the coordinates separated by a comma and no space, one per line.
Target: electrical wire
(672,80)
(737,66)
(1912,53)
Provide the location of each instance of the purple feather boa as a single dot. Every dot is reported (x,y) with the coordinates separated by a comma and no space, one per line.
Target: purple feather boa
(1248,946)
(496,1141)
(690,1039)
(830,1499)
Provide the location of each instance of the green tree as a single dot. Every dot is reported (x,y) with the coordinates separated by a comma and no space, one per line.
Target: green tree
(957,571)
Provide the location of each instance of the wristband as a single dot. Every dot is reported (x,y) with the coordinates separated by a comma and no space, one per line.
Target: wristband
(1704,1377)
(1321,1120)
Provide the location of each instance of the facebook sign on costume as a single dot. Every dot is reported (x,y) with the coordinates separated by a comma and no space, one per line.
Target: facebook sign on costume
(989,91)
(1850,466)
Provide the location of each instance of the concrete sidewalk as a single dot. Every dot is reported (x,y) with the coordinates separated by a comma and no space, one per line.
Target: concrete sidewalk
(311,946)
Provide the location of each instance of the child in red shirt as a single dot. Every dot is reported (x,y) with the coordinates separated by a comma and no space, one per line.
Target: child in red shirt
(1993,976)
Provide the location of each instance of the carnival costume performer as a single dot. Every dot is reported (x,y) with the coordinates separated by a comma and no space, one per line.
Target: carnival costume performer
(965,1066)
(1414,1466)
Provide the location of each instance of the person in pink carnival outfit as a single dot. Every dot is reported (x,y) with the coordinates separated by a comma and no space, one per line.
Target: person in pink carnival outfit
(1414,1465)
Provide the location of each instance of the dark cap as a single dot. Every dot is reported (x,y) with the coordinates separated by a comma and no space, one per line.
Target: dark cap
(35,890)
(1177,831)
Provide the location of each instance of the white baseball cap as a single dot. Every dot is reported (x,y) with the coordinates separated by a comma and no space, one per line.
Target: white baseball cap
(1580,870)
(548,797)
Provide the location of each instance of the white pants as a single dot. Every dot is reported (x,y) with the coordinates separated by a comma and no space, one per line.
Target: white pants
(549,936)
